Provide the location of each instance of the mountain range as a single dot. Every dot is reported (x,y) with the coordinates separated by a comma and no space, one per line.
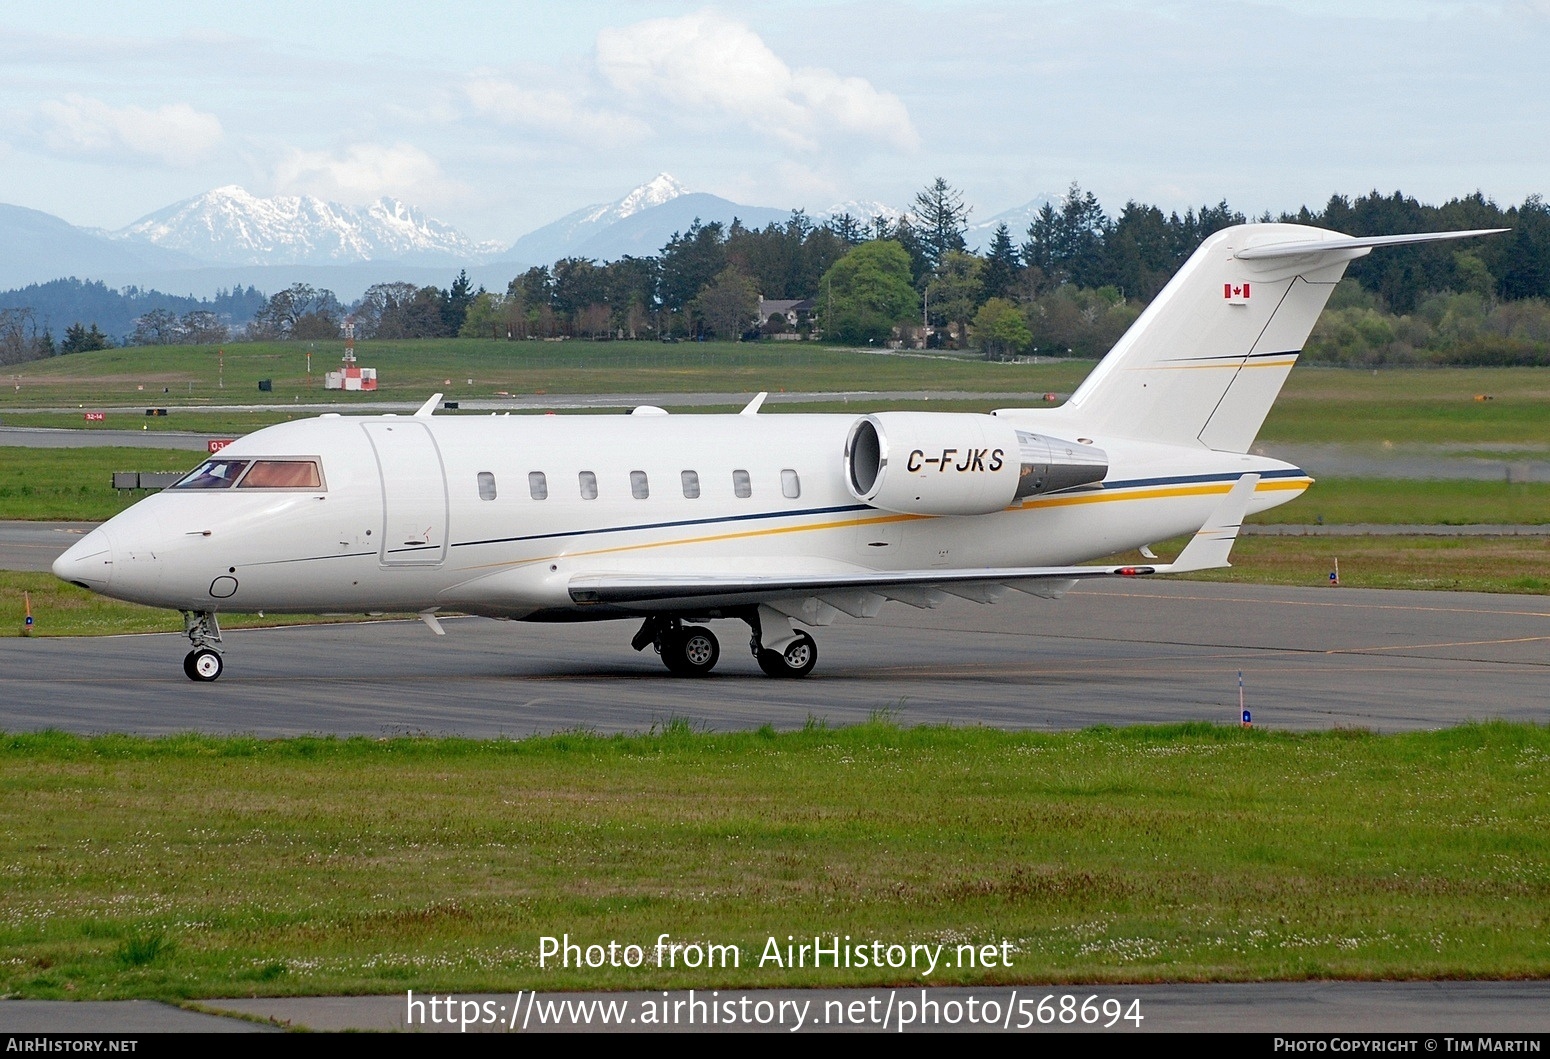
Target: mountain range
(230,226)
(230,238)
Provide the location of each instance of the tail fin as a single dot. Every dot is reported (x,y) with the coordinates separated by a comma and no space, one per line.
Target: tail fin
(1205,361)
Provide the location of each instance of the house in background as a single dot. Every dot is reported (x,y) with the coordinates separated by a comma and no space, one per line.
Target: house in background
(786,319)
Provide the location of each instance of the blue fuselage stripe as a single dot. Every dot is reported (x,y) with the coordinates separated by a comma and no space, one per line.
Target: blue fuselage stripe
(1132,483)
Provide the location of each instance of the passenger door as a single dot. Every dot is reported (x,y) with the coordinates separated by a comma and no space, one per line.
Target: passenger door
(414,493)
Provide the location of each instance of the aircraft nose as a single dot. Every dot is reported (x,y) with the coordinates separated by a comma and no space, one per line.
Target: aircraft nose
(88,562)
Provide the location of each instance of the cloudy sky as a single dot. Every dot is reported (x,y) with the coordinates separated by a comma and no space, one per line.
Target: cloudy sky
(501,116)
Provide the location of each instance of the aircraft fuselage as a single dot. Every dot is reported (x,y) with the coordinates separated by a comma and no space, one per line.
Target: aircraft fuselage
(495,514)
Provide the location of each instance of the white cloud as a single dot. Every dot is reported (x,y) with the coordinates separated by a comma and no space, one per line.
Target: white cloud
(550,111)
(365,172)
(708,63)
(176,134)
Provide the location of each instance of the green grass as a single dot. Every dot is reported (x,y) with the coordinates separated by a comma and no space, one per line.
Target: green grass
(199,866)
(1425,502)
(60,609)
(69,485)
(1435,405)
(1419,405)
(411,370)
(177,420)
(1452,564)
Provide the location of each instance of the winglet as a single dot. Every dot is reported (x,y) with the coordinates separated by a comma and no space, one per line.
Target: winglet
(753,406)
(1212,543)
(428,407)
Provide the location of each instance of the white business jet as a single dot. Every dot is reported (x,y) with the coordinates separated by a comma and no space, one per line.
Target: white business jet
(775,520)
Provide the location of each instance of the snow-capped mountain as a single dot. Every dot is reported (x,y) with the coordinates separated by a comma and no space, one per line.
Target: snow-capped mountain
(1017,219)
(565,237)
(230,226)
(659,189)
(864,211)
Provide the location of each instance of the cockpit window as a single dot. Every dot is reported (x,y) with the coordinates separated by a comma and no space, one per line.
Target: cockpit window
(213,474)
(254,474)
(282,474)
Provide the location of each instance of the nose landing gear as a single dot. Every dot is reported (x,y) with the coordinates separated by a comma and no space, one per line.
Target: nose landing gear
(203,663)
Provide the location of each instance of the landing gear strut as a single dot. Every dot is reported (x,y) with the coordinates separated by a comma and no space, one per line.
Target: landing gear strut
(203,663)
(686,650)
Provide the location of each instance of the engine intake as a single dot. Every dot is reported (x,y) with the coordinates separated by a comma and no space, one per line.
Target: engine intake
(944,463)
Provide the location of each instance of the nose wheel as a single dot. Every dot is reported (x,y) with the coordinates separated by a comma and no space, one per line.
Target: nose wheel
(203,665)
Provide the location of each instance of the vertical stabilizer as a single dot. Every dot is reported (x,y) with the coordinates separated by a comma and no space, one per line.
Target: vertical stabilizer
(1204,362)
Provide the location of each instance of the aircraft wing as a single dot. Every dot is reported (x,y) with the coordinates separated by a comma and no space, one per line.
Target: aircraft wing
(861,593)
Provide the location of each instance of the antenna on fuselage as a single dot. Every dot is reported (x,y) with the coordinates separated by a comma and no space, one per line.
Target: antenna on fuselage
(429,407)
(753,406)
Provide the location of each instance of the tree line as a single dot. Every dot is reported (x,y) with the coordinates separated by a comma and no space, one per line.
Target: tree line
(1067,285)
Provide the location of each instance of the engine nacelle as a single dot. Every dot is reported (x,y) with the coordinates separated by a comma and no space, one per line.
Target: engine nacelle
(944,463)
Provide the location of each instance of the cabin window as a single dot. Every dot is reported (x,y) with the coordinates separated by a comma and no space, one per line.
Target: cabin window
(538,485)
(640,489)
(742,485)
(588,482)
(790,484)
(486,485)
(213,474)
(282,474)
(691,481)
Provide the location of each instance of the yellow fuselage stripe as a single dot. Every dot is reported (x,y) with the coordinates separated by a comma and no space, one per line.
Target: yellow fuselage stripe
(1153,493)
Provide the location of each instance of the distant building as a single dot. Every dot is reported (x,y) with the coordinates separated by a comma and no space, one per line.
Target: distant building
(784,317)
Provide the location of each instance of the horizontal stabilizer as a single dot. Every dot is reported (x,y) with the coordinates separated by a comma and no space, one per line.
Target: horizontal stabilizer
(1349,242)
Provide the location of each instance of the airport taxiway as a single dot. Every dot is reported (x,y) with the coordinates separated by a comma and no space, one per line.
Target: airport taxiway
(1127,652)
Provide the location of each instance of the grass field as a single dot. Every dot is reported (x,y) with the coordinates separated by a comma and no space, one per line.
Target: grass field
(68,485)
(411,370)
(1400,501)
(196,866)
(1451,564)
(1318,404)
(61,609)
(76,485)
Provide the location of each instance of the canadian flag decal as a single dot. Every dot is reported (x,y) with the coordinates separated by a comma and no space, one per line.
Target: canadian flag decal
(1236,293)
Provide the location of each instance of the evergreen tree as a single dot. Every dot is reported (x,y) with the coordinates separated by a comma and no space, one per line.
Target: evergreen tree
(690,261)
(454,303)
(849,229)
(941,219)
(1002,264)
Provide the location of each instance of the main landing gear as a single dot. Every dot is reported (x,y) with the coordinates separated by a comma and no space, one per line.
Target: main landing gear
(693,650)
(686,650)
(203,663)
(797,660)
